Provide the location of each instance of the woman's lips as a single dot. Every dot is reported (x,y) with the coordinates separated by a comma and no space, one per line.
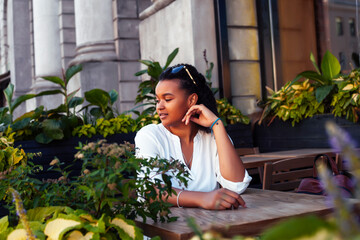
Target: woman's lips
(162,115)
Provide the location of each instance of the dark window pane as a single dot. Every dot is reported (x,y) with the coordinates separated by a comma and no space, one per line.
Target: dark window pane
(339,26)
(352,27)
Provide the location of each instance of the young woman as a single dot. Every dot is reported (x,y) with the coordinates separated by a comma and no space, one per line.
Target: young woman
(191,132)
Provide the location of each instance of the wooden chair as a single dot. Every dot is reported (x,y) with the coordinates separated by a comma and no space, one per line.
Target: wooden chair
(285,175)
(247,151)
(254,172)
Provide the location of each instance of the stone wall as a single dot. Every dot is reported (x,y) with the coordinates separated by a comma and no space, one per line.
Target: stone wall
(184,24)
(127,44)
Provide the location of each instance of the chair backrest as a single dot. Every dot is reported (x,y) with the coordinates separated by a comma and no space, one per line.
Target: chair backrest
(286,174)
(247,151)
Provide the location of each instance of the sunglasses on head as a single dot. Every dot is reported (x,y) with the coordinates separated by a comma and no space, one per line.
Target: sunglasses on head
(179,68)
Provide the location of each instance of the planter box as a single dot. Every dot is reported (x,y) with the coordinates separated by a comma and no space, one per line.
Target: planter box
(241,135)
(309,133)
(65,151)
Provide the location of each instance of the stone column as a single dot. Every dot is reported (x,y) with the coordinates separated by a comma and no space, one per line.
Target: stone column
(95,48)
(46,50)
(244,54)
(18,19)
(4,61)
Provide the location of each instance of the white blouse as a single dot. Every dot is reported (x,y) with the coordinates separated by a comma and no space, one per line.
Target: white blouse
(156,141)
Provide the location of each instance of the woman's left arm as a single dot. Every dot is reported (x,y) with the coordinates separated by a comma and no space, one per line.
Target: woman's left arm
(231,166)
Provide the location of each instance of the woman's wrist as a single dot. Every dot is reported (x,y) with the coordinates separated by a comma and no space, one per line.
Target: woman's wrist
(215,122)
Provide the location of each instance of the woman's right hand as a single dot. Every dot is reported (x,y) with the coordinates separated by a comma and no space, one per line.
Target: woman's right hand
(221,199)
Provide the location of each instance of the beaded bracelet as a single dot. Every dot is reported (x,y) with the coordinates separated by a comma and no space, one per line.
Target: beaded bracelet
(214,123)
(177,198)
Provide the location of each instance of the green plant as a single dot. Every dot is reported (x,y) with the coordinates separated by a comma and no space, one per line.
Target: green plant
(324,79)
(113,178)
(120,124)
(44,126)
(65,223)
(10,157)
(229,114)
(346,101)
(327,91)
(70,100)
(146,91)
(112,182)
(293,102)
(6,113)
(103,101)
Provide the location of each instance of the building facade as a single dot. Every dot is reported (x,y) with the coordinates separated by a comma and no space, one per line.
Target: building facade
(253,44)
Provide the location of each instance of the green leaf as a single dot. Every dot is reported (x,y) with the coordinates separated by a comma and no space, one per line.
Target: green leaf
(60,109)
(8,92)
(71,71)
(139,73)
(4,223)
(43,213)
(312,59)
(75,101)
(42,138)
(330,66)
(297,228)
(113,96)
(155,70)
(52,128)
(208,73)
(20,100)
(312,75)
(322,92)
(21,124)
(171,57)
(98,97)
(50,92)
(71,95)
(96,112)
(146,62)
(55,80)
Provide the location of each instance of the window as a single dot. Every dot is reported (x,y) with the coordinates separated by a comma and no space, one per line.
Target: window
(339,26)
(352,27)
(342,60)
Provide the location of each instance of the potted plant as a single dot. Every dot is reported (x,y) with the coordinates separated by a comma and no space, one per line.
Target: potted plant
(112,182)
(56,132)
(295,116)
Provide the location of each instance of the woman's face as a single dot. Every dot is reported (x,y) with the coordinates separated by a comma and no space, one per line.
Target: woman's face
(172,102)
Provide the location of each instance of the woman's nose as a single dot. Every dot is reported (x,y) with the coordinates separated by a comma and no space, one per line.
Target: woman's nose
(160,105)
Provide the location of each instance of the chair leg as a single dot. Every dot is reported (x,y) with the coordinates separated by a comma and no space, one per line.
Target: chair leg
(261,173)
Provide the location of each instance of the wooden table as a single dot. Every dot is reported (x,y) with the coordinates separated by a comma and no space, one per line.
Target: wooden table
(259,159)
(264,208)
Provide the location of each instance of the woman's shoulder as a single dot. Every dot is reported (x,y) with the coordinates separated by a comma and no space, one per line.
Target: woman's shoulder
(150,130)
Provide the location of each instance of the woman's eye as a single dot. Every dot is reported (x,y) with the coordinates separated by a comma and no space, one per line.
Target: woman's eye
(168,100)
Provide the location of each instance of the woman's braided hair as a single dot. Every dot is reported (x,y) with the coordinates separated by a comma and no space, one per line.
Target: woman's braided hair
(198,85)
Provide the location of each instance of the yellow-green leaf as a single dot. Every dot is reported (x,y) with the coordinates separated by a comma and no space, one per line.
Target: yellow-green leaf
(77,235)
(18,234)
(56,228)
(129,229)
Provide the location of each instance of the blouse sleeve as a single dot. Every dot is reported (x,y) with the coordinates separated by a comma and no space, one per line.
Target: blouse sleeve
(238,187)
